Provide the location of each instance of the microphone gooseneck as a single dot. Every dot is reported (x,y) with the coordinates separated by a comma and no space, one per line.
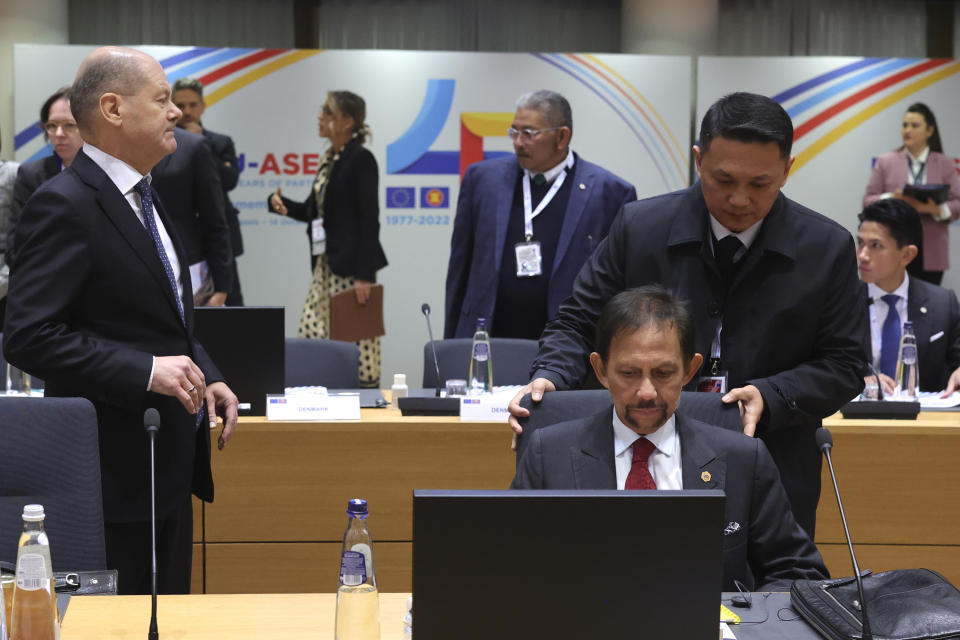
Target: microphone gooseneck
(825,443)
(151,422)
(425,309)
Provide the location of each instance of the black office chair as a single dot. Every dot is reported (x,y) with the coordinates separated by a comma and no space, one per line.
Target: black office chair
(50,455)
(512,358)
(325,363)
(560,406)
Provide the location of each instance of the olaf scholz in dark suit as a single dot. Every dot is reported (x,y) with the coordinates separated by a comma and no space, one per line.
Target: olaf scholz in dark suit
(100,308)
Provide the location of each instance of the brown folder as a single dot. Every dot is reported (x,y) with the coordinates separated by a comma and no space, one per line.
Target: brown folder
(351,321)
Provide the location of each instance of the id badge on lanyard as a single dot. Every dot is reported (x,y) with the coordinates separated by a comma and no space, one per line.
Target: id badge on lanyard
(716,379)
(318,237)
(528,254)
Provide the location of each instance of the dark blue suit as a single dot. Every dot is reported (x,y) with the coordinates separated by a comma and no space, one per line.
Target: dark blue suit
(935,314)
(768,549)
(480,227)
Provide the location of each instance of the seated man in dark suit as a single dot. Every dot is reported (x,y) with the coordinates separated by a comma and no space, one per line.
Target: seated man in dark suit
(645,355)
(888,244)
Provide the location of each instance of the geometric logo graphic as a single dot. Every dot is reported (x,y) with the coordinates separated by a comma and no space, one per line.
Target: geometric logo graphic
(411,152)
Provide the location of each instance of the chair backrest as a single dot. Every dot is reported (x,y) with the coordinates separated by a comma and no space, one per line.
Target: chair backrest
(512,358)
(50,455)
(560,406)
(325,363)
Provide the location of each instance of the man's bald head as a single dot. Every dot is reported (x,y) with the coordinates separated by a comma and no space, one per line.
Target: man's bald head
(106,70)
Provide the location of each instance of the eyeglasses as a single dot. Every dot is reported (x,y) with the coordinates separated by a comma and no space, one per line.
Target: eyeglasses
(68,127)
(528,133)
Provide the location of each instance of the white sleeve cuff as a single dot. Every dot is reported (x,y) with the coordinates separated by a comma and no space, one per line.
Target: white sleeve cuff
(153,365)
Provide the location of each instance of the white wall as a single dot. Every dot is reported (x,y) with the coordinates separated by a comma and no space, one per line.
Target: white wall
(37,21)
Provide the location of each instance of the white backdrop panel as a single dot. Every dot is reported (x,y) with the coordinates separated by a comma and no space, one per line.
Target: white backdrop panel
(631,115)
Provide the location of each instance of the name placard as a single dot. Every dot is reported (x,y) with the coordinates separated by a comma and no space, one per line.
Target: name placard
(309,406)
(489,407)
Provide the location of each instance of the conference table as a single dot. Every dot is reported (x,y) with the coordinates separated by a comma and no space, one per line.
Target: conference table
(311,615)
(282,488)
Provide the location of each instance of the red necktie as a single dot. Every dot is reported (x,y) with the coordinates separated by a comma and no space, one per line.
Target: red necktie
(639,477)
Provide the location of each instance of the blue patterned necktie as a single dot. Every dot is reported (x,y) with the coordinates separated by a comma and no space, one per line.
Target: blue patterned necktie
(146,206)
(890,337)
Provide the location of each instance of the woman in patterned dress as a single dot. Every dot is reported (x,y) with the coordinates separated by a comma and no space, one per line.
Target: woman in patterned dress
(343,227)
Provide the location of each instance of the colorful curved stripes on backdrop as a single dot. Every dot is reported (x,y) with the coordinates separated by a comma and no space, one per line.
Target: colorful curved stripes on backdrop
(851,94)
(629,104)
(221,71)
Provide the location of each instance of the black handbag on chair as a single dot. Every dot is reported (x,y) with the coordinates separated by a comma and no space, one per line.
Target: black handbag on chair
(906,604)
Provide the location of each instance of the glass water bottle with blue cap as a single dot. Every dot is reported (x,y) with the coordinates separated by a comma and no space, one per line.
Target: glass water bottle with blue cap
(358,602)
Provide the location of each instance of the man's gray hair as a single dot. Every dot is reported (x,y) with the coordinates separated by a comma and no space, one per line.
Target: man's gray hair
(551,104)
(109,73)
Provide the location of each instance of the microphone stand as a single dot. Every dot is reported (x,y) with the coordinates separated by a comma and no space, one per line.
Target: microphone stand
(151,421)
(825,440)
(425,308)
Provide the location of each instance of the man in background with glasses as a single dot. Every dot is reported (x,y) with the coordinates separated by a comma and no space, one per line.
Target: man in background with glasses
(60,130)
(526,224)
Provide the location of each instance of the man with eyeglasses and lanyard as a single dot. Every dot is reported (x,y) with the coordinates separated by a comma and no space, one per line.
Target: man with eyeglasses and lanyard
(526,224)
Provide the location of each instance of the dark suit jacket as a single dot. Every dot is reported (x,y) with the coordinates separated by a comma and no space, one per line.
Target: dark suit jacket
(351,214)
(188,181)
(29,177)
(89,307)
(768,550)
(934,311)
(480,228)
(226,155)
(788,323)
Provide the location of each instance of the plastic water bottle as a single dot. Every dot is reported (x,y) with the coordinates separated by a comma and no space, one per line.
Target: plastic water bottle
(908,368)
(34,612)
(399,388)
(481,364)
(358,602)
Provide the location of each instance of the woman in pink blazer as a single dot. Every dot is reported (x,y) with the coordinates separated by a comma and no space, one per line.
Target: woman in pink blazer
(920,160)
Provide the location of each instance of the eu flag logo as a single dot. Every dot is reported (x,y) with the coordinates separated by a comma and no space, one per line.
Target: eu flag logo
(435,197)
(401,197)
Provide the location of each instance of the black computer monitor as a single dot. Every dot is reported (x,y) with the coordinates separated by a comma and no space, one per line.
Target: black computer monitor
(247,345)
(567,564)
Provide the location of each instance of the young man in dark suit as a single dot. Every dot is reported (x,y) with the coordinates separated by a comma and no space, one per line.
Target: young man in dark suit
(570,207)
(100,307)
(888,246)
(188,96)
(645,355)
(769,282)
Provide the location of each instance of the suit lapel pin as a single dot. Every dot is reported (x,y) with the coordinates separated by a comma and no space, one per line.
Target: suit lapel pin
(583,186)
(731,528)
(923,309)
(705,476)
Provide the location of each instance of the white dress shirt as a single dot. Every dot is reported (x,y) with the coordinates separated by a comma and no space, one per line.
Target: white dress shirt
(664,463)
(879,310)
(126,178)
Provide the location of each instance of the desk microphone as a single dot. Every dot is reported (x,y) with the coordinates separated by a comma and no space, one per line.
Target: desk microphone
(433,405)
(425,308)
(825,442)
(151,422)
